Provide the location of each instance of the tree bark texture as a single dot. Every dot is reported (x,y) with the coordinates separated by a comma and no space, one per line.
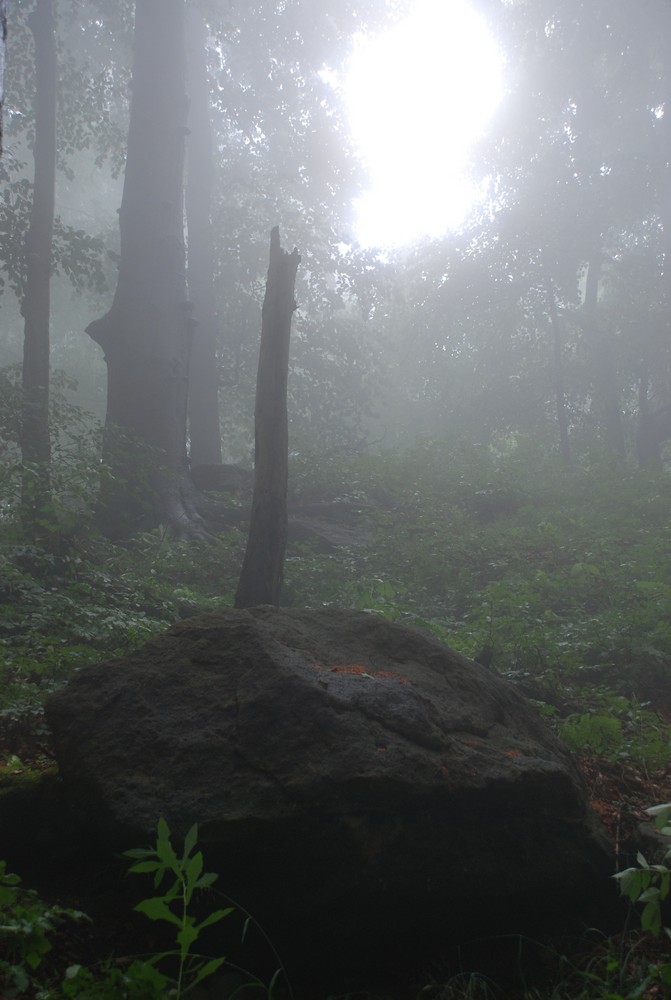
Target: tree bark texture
(146,335)
(204,428)
(35,443)
(263,565)
(606,391)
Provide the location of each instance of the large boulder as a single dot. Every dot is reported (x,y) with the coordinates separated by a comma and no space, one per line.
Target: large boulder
(371,796)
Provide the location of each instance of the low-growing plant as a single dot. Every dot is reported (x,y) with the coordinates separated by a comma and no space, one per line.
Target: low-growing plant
(598,734)
(172,906)
(650,884)
(139,981)
(27,924)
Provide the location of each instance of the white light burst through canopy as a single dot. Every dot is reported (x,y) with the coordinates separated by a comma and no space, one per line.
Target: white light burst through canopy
(418,96)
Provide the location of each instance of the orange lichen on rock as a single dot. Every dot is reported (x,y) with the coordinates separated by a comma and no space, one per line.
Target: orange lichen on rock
(349,668)
(359,670)
(391,675)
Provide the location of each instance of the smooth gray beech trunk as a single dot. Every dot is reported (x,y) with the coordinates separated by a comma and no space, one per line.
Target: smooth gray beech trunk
(204,428)
(262,569)
(35,442)
(146,334)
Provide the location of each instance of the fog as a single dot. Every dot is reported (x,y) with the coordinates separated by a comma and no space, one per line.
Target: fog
(415,130)
(452,332)
(455,220)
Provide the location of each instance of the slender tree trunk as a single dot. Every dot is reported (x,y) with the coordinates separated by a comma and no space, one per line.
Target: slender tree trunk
(608,401)
(262,570)
(647,439)
(3,45)
(664,207)
(204,429)
(146,335)
(560,394)
(35,442)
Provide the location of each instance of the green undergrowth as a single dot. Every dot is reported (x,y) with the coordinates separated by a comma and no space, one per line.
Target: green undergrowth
(78,598)
(18,774)
(559,576)
(92,602)
(556,578)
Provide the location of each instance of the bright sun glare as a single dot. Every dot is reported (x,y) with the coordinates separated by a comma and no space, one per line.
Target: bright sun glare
(418,96)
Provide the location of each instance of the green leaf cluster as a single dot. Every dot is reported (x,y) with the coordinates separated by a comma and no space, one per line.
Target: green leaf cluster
(27,925)
(173,905)
(650,884)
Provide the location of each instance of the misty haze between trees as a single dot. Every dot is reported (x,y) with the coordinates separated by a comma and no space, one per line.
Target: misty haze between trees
(468,434)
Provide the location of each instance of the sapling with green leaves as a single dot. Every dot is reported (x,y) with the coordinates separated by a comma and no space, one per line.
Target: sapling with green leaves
(650,884)
(173,905)
(27,925)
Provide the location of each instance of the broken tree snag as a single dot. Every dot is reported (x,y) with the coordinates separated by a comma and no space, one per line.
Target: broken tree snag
(262,569)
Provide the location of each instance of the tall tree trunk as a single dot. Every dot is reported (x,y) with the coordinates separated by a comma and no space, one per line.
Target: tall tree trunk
(146,335)
(263,566)
(647,439)
(35,443)
(664,206)
(560,394)
(607,395)
(204,429)
(3,45)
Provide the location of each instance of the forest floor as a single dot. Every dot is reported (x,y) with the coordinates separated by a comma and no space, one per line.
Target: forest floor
(560,578)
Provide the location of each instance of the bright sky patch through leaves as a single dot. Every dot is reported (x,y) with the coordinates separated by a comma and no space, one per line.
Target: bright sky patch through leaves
(418,96)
